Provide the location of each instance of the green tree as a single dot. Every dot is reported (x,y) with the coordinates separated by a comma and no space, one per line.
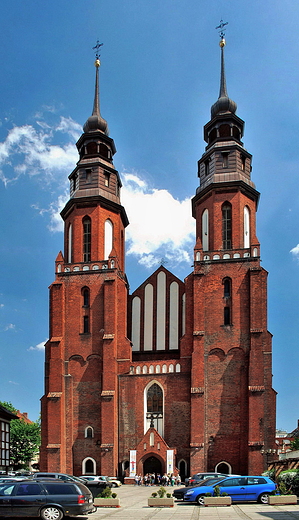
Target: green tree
(24,442)
(295,444)
(8,406)
(24,439)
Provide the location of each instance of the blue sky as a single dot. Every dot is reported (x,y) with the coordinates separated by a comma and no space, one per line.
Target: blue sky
(159,77)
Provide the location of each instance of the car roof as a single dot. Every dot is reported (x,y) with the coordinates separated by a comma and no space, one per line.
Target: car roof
(210,473)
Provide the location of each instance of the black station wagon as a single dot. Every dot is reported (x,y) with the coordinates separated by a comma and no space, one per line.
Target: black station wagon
(48,499)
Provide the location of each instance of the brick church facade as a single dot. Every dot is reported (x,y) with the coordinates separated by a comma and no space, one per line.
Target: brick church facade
(176,376)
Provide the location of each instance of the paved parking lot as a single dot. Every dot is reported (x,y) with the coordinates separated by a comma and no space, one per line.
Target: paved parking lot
(134,507)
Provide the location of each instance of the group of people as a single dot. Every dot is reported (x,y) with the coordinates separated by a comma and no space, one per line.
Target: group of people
(155,479)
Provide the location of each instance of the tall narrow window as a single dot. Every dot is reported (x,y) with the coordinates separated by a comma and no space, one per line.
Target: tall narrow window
(207,167)
(154,408)
(85,294)
(86,239)
(224,160)
(205,230)
(226,315)
(227,287)
(108,238)
(243,162)
(86,324)
(88,175)
(74,182)
(85,310)
(227,300)
(226,226)
(69,244)
(246,227)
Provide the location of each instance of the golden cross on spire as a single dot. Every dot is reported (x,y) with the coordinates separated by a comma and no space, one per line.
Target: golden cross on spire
(96,48)
(221,27)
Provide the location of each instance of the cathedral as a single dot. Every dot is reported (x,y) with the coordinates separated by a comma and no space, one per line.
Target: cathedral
(177,376)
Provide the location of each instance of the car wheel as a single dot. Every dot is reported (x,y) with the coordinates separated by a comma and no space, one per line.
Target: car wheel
(114,484)
(200,499)
(51,513)
(264,498)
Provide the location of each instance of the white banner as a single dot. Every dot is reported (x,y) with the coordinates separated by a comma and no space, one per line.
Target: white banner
(169,461)
(132,463)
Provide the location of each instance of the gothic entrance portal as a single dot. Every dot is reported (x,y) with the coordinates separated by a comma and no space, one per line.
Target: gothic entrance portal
(152,465)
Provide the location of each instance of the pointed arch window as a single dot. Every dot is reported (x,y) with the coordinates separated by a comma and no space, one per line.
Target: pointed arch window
(246,227)
(226,226)
(89,466)
(85,294)
(154,407)
(205,230)
(108,239)
(69,244)
(86,239)
(89,433)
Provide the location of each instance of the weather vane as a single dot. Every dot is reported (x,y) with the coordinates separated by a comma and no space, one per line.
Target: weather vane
(222,30)
(96,48)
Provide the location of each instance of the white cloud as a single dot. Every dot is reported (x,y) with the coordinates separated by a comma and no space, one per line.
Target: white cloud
(160,225)
(30,151)
(56,223)
(70,127)
(295,250)
(10,326)
(40,347)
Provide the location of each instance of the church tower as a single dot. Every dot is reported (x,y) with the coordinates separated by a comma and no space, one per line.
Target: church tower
(232,400)
(191,389)
(88,304)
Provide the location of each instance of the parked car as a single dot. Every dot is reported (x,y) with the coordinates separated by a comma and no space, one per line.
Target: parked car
(96,483)
(114,481)
(45,498)
(247,488)
(60,476)
(198,477)
(180,492)
(93,478)
(11,479)
(100,478)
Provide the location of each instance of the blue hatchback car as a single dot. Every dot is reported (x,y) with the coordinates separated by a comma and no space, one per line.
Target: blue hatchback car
(243,489)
